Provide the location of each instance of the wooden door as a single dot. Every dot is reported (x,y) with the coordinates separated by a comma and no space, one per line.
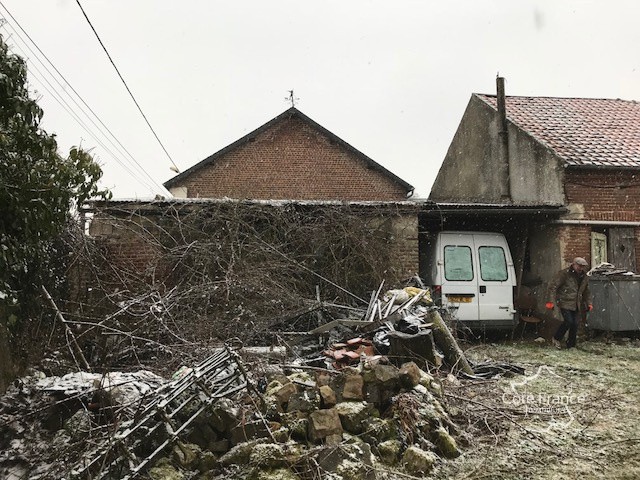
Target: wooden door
(621,251)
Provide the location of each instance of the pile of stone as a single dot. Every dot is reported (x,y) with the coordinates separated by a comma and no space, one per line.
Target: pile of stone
(292,423)
(340,425)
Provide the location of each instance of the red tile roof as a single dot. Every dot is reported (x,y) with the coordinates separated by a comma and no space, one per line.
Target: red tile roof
(582,131)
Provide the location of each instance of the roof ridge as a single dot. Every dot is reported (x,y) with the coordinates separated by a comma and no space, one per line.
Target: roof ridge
(493,95)
(582,132)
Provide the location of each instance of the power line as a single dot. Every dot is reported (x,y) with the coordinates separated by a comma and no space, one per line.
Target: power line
(51,89)
(70,110)
(125,85)
(54,92)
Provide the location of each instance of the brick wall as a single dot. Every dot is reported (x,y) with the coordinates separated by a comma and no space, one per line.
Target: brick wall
(406,250)
(605,195)
(292,160)
(133,242)
(602,195)
(575,241)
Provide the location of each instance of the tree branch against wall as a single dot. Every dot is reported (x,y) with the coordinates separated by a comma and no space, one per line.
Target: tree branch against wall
(199,274)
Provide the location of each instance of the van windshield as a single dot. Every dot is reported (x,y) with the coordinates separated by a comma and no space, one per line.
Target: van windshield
(493,264)
(457,263)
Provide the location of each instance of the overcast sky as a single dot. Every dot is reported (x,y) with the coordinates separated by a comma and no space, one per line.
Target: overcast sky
(392,78)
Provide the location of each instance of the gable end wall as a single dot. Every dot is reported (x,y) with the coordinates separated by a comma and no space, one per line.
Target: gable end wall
(292,160)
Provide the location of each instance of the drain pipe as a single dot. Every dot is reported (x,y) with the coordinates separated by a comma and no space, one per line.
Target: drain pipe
(611,223)
(503,133)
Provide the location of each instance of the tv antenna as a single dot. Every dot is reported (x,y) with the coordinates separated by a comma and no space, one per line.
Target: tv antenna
(292,98)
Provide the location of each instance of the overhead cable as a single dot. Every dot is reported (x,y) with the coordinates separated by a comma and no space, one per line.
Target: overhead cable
(36,74)
(126,86)
(153,184)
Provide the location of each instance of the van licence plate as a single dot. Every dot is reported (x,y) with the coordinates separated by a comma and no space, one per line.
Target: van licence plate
(456,299)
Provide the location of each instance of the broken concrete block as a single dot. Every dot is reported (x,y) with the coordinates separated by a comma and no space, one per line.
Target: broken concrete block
(207,461)
(323,379)
(376,430)
(352,389)
(335,439)
(267,455)
(323,423)
(446,443)
(281,435)
(341,457)
(78,426)
(238,455)
(186,454)
(417,461)
(351,470)
(384,375)
(248,431)
(305,401)
(219,446)
(373,393)
(284,393)
(298,428)
(163,470)
(224,415)
(275,474)
(353,414)
(389,451)
(303,378)
(410,375)
(202,434)
(327,396)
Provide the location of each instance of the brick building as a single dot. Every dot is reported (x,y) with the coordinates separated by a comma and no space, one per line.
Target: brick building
(578,155)
(290,157)
(289,163)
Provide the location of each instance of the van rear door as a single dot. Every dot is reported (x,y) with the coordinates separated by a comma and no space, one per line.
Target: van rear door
(458,274)
(477,276)
(496,279)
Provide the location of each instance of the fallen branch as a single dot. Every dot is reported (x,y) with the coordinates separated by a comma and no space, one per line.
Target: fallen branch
(75,348)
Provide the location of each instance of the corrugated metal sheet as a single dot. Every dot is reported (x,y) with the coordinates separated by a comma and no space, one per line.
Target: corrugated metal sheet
(616,302)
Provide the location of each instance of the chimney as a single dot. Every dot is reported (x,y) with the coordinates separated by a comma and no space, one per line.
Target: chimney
(503,135)
(502,106)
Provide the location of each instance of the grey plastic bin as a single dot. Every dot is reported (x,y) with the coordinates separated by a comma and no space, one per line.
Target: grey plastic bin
(616,303)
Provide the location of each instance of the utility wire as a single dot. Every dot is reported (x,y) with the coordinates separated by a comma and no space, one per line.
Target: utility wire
(70,110)
(53,92)
(122,147)
(126,86)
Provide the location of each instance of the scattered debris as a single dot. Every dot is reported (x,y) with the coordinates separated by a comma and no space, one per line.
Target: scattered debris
(607,269)
(357,394)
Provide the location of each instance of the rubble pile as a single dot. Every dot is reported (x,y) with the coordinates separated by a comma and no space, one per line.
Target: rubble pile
(368,406)
(335,424)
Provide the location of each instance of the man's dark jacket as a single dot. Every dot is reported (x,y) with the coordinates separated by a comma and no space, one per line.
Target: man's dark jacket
(570,290)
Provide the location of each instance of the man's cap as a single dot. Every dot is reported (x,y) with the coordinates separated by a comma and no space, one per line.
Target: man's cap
(580,261)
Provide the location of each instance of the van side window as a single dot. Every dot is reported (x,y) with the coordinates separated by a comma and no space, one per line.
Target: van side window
(457,263)
(493,264)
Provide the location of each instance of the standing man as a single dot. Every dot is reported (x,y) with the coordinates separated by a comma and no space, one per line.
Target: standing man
(570,290)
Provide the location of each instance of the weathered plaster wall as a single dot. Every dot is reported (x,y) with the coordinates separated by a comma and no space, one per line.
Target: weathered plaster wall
(474,170)
(536,172)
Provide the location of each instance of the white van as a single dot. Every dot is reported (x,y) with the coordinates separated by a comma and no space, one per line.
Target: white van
(471,274)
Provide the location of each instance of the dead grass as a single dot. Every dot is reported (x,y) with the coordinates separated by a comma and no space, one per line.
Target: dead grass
(600,440)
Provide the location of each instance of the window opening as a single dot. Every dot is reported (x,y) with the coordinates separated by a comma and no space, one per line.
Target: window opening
(457,263)
(493,264)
